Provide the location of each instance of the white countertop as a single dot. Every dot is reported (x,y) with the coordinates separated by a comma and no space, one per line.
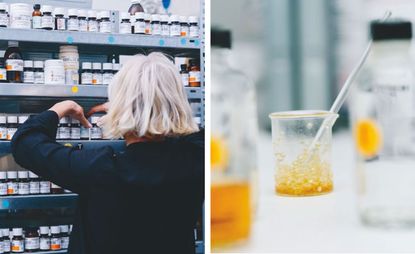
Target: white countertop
(328,223)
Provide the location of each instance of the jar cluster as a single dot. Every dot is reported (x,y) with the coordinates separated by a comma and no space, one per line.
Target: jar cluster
(95,73)
(190,73)
(71,129)
(9,125)
(33,239)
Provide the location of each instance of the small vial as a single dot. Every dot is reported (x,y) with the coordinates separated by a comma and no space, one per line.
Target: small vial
(92,21)
(23,183)
(96,74)
(140,24)
(105,24)
(165,26)
(64,128)
(115,68)
(184,26)
(107,73)
(55,238)
(184,74)
(174,26)
(12,126)
(96,132)
(64,236)
(36,17)
(84,133)
(4,17)
(48,23)
(83,23)
(12,184)
(39,72)
(75,129)
(6,240)
(34,184)
(73,22)
(28,74)
(31,240)
(155,24)
(194,27)
(3,183)
(147,20)
(55,189)
(86,75)
(17,241)
(44,239)
(125,24)
(44,186)
(3,127)
(60,22)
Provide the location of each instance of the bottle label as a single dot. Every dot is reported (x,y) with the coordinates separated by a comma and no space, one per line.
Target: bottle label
(34,187)
(86,78)
(20,21)
(28,76)
(6,245)
(23,188)
(92,26)
(184,31)
(44,187)
(125,28)
(148,28)
(96,78)
(47,21)
(10,133)
(174,30)
(12,188)
(17,245)
(55,243)
(73,24)
(3,74)
(37,22)
(14,65)
(105,27)
(194,76)
(3,189)
(32,243)
(76,133)
(96,133)
(194,31)
(140,27)
(165,30)
(107,78)
(39,77)
(4,20)
(83,25)
(3,133)
(44,243)
(84,133)
(64,132)
(60,24)
(65,242)
(156,29)
(185,79)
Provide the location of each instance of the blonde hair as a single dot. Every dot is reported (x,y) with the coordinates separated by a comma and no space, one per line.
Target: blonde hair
(147,97)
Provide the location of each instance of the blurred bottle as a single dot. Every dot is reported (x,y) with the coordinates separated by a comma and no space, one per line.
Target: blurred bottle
(233,147)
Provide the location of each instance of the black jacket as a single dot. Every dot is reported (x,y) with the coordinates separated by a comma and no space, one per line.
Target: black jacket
(145,199)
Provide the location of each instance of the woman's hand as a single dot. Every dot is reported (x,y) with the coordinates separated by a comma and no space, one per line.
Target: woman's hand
(72,109)
(102,108)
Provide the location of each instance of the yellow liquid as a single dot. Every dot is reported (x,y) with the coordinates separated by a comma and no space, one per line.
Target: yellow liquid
(230,212)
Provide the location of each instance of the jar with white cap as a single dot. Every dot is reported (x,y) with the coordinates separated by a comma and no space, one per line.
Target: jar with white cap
(4,17)
(3,183)
(55,238)
(184,26)
(147,20)
(107,73)
(92,21)
(6,240)
(105,24)
(12,184)
(28,74)
(64,236)
(44,186)
(174,25)
(75,129)
(23,182)
(54,72)
(34,183)
(3,127)
(155,24)
(44,239)
(17,242)
(83,23)
(64,128)
(39,74)
(73,22)
(140,24)
(86,75)
(96,132)
(20,16)
(48,22)
(96,74)
(60,22)
(194,27)
(12,125)
(70,57)
(125,24)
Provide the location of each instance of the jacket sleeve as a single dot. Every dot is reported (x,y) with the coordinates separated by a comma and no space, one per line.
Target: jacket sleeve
(34,147)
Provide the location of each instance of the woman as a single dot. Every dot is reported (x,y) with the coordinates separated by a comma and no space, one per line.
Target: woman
(145,199)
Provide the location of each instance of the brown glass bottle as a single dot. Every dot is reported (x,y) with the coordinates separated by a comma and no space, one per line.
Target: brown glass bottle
(194,74)
(14,63)
(36,17)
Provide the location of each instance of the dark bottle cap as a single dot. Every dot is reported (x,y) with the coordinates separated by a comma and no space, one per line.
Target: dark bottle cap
(183,67)
(36,6)
(193,62)
(391,29)
(221,38)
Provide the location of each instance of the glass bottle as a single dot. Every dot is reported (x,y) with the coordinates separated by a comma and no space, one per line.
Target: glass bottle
(105,23)
(17,241)
(184,26)
(83,23)
(165,26)
(44,239)
(4,17)
(174,26)
(194,73)
(14,63)
(73,22)
(55,238)
(31,240)
(48,23)
(193,27)
(96,74)
(39,72)
(233,149)
(28,74)
(125,24)
(155,24)
(140,24)
(92,21)
(184,74)
(34,185)
(64,236)
(23,182)
(60,21)
(36,17)
(3,183)
(86,75)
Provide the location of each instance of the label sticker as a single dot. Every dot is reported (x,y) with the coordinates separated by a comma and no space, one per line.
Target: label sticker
(69,40)
(75,89)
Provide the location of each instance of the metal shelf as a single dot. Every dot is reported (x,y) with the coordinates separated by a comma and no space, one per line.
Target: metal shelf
(48,252)
(38,201)
(116,40)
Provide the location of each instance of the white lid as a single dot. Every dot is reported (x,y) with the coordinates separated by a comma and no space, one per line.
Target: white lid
(23,174)
(96,66)
(86,65)
(64,228)
(12,119)
(74,121)
(44,230)
(183,19)
(125,15)
(55,229)
(11,174)
(107,66)
(116,66)
(147,16)
(82,13)
(28,63)
(95,119)
(155,17)
(3,6)
(46,8)
(174,18)
(139,15)
(17,231)
(164,18)
(135,1)
(32,175)
(193,19)
(73,12)
(64,120)
(59,11)
(38,64)
(3,119)
(68,48)
(105,14)
(23,119)
(92,14)
(3,175)
(54,62)
(98,15)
